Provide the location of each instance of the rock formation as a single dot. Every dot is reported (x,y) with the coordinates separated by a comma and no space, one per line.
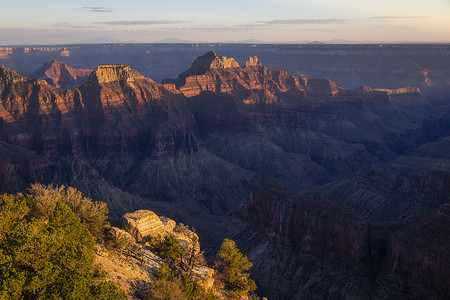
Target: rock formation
(194,147)
(60,75)
(135,267)
(144,225)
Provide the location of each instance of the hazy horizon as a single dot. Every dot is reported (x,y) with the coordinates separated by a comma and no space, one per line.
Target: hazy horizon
(283,21)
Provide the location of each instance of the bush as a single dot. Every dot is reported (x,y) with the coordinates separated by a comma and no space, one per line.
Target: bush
(171,286)
(164,289)
(93,214)
(165,272)
(107,291)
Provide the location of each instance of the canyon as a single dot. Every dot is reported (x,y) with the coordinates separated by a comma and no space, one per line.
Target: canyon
(425,66)
(330,191)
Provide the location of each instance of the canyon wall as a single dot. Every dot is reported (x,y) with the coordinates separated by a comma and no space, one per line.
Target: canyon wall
(373,223)
(371,258)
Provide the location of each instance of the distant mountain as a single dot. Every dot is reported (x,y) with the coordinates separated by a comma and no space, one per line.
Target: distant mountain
(173,41)
(250,41)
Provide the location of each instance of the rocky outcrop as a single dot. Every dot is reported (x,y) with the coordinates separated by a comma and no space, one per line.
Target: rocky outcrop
(114,233)
(140,227)
(260,87)
(60,75)
(144,225)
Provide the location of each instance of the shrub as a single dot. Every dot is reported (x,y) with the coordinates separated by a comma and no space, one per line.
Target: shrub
(164,289)
(93,214)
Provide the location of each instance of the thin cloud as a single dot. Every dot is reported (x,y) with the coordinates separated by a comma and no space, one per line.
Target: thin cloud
(62,24)
(395,17)
(305,21)
(70,25)
(145,22)
(212,28)
(98,9)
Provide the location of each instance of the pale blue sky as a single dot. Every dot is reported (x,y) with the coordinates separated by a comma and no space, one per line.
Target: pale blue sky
(49,22)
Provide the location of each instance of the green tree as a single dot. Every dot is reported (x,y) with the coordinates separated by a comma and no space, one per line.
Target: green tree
(233,263)
(46,251)
(172,251)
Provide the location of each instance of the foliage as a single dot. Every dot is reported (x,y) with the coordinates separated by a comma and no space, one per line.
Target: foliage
(171,250)
(170,286)
(193,290)
(233,263)
(165,272)
(117,242)
(106,291)
(164,289)
(93,214)
(182,259)
(114,240)
(46,251)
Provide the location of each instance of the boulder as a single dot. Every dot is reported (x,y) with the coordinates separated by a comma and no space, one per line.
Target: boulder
(119,234)
(204,276)
(144,225)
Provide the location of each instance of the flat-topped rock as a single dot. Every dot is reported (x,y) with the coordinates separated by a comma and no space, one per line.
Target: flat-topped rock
(144,225)
(109,73)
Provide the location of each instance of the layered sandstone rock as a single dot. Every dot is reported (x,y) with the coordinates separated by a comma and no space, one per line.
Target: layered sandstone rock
(220,74)
(111,73)
(60,75)
(204,276)
(144,225)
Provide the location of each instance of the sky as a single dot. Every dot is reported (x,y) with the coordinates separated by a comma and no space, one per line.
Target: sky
(274,21)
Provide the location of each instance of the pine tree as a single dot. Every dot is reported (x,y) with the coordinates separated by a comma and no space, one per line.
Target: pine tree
(233,263)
